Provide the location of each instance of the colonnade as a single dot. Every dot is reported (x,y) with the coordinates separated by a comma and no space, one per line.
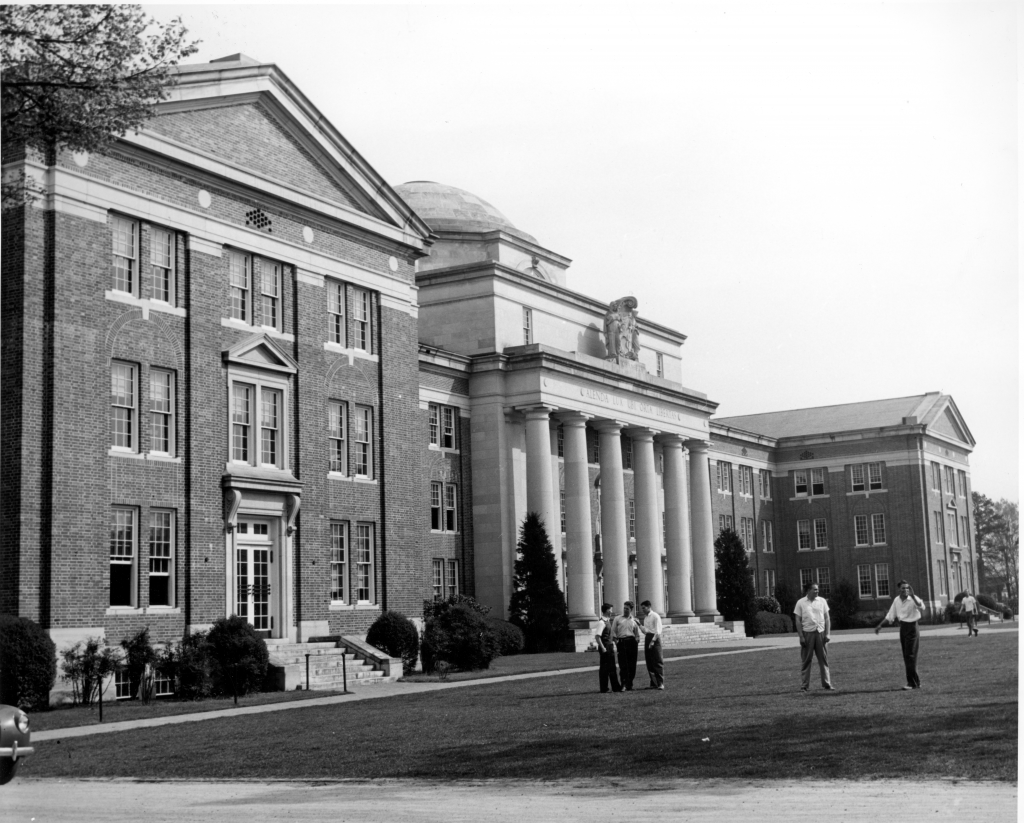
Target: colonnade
(685,514)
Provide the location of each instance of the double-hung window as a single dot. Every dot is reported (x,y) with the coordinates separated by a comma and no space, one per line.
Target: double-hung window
(746,480)
(862,535)
(724,522)
(560,440)
(527,326)
(270,427)
(882,579)
(747,528)
(161,411)
(363,553)
(809,483)
(769,582)
(444,507)
(764,484)
(442,426)
(937,516)
(943,578)
(123,406)
(866,476)
(445,575)
(724,473)
(951,529)
(961,483)
(264,447)
(161,557)
(767,538)
(270,292)
(965,532)
(240,276)
(824,581)
(950,480)
(126,255)
(803,535)
(161,261)
(561,510)
(659,364)
(339,563)
(123,544)
(452,578)
(361,319)
(864,583)
(337,424)
(627,453)
(936,477)
(632,519)
(878,529)
(362,435)
(820,533)
(336,312)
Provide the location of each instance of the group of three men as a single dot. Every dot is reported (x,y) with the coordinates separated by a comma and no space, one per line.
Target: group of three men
(622,634)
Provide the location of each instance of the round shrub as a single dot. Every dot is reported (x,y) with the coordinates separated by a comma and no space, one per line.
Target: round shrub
(510,637)
(190,666)
(28,663)
(767,603)
(988,601)
(1007,612)
(239,656)
(771,623)
(396,634)
(459,636)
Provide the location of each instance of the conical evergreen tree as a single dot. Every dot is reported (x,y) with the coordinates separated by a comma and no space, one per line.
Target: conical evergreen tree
(733,585)
(538,605)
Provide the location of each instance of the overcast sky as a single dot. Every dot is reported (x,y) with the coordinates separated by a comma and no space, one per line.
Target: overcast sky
(822,196)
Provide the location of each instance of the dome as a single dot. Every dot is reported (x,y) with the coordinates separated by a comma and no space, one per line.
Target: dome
(446,208)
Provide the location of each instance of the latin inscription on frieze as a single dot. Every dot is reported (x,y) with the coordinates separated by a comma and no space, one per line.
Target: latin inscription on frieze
(617,402)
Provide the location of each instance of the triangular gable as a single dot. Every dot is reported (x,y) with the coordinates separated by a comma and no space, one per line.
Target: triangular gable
(248,135)
(260,351)
(945,419)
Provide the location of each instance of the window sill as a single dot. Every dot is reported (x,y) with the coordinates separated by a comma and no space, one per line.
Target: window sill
(124,611)
(162,458)
(146,304)
(867,492)
(112,452)
(338,476)
(443,449)
(241,325)
(348,607)
(369,481)
(746,496)
(810,497)
(720,491)
(442,531)
(337,348)
(155,610)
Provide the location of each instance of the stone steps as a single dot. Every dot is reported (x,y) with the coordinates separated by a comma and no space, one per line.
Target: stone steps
(330,667)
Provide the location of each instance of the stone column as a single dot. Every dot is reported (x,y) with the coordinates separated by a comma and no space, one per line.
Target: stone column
(677,528)
(578,535)
(614,530)
(648,548)
(703,531)
(539,491)
(555,533)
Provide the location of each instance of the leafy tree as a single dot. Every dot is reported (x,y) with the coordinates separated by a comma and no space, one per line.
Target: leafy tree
(78,76)
(787,598)
(843,604)
(986,522)
(733,585)
(139,654)
(396,634)
(28,663)
(538,604)
(1004,555)
(239,656)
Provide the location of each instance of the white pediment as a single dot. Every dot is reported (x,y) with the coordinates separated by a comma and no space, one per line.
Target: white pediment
(261,351)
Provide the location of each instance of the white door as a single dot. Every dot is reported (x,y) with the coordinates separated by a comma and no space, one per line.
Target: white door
(254,564)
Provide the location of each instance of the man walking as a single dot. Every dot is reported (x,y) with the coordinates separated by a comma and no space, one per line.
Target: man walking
(652,646)
(814,625)
(606,649)
(626,634)
(908,609)
(969,608)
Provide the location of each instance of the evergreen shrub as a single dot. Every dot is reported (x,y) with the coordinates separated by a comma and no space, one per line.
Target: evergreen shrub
(988,601)
(396,634)
(509,636)
(139,655)
(239,656)
(771,623)
(734,587)
(538,605)
(767,603)
(460,637)
(787,597)
(191,667)
(843,604)
(28,663)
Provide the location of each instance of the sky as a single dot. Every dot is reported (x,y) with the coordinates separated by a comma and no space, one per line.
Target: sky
(822,196)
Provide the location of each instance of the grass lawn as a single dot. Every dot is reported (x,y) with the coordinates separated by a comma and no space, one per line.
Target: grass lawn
(726,716)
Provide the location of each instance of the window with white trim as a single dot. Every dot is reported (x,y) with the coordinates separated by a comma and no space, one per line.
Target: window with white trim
(864,584)
(258,424)
(961,483)
(724,475)
(939,531)
(943,577)
(337,425)
(161,411)
(747,533)
(163,684)
(362,436)
(124,395)
(866,476)
(561,509)
(746,477)
(724,522)
(363,552)
(936,477)
(860,530)
(806,576)
(336,332)
(632,519)
(878,529)
(560,440)
(339,563)
(767,538)
(820,533)
(882,579)
(824,581)
(444,507)
(950,480)
(764,484)
(122,685)
(270,294)
(593,447)
(161,261)
(361,320)
(437,572)
(865,537)
(161,557)
(442,426)
(240,278)
(452,578)
(659,364)
(769,582)
(125,255)
(527,326)
(965,531)
(627,452)
(803,535)
(951,529)
(809,483)
(123,554)
(270,427)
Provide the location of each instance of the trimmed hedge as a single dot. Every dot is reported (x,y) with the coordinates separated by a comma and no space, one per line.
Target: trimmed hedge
(396,634)
(770,623)
(239,656)
(767,603)
(461,637)
(28,663)
(510,637)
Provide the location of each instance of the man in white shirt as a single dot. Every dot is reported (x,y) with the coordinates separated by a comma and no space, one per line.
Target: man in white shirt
(814,625)
(969,608)
(626,636)
(908,609)
(652,646)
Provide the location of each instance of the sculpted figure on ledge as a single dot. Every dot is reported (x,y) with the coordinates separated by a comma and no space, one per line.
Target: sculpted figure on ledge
(621,334)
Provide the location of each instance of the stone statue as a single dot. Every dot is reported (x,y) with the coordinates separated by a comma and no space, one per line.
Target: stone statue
(621,333)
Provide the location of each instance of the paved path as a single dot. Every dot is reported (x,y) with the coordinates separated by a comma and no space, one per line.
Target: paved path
(381,690)
(505,801)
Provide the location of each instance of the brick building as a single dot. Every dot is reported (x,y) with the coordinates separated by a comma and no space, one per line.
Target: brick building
(330,397)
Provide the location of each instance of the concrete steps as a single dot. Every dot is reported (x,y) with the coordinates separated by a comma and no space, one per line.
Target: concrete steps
(673,635)
(331,666)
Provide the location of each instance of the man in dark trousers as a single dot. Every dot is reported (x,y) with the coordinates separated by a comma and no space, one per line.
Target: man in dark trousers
(652,646)
(814,625)
(908,609)
(626,635)
(606,649)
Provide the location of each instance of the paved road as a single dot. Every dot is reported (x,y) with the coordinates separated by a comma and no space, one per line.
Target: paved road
(402,801)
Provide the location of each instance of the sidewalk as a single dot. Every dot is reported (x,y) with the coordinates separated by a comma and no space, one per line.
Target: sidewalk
(381,690)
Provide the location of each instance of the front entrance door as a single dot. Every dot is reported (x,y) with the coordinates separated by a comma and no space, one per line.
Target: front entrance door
(254,563)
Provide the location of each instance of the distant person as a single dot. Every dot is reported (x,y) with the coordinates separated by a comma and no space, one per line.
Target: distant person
(908,609)
(606,649)
(814,625)
(652,646)
(969,610)
(626,636)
